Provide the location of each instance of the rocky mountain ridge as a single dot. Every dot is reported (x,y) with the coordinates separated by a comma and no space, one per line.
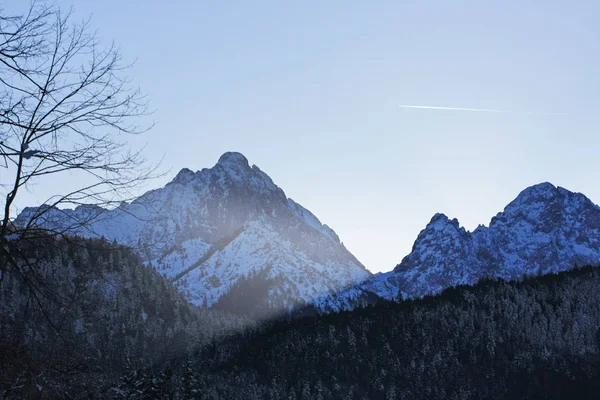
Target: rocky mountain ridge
(207,229)
(546,229)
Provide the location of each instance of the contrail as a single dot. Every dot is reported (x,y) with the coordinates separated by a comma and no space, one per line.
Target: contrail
(479,110)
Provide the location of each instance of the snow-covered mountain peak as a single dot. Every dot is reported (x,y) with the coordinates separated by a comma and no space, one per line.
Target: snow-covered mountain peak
(232,161)
(209,229)
(541,193)
(233,170)
(545,229)
(441,222)
(233,158)
(546,194)
(537,190)
(544,204)
(184,176)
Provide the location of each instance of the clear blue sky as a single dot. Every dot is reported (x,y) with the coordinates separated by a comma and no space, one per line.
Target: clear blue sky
(309,92)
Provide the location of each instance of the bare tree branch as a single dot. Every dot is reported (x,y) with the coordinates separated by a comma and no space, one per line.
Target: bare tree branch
(65,106)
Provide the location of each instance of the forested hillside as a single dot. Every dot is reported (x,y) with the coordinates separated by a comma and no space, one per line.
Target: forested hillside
(538,338)
(86,319)
(77,313)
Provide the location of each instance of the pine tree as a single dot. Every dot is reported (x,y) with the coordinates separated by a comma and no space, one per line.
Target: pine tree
(190,383)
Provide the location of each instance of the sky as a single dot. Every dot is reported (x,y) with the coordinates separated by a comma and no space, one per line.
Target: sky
(310,92)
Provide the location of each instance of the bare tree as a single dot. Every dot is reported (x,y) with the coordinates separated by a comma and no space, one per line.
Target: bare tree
(65,106)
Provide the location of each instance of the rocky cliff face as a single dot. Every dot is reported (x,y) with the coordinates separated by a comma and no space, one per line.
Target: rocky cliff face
(546,229)
(207,229)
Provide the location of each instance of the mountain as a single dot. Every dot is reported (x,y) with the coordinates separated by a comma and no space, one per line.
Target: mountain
(221,228)
(546,229)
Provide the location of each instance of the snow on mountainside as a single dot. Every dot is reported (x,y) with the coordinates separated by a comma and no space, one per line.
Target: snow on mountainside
(545,229)
(205,230)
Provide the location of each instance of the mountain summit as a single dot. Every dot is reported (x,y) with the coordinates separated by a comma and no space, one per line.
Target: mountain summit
(546,229)
(226,235)
(233,158)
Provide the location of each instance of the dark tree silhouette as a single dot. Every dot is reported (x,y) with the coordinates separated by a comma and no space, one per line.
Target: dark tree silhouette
(65,105)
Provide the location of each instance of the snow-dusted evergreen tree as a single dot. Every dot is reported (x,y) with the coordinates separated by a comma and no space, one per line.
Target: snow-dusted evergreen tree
(190,384)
